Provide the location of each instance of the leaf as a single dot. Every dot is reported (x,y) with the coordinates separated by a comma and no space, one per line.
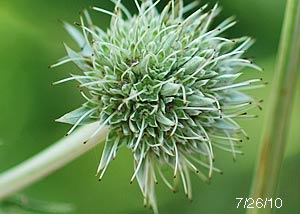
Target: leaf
(133,127)
(109,148)
(77,58)
(141,174)
(181,114)
(198,100)
(193,64)
(151,120)
(125,129)
(170,89)
(228,77)
(234,96)
(169,40)
(160,137)
(117,118)
(75,34)
(225,126)
(151,132)
(78,38)
(73,116)
(22,204)
(161,118)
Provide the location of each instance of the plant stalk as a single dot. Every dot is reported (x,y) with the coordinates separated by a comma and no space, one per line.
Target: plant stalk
(51,159)
(274,141)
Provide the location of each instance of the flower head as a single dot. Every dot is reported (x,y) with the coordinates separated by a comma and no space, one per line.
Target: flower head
(166,83)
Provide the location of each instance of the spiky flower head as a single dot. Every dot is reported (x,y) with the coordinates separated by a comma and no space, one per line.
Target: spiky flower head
(166,85)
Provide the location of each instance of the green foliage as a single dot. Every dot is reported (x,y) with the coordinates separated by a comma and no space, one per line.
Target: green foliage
(29,104)
(166,85)
(22,204)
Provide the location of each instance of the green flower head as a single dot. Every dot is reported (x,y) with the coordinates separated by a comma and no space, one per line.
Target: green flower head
(166,83)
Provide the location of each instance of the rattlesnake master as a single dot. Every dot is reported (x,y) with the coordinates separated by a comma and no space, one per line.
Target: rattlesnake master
(166,85)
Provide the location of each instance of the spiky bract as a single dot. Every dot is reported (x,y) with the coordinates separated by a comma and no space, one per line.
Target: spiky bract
(165,84)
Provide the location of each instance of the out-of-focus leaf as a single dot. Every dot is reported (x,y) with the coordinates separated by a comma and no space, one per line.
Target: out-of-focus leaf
(22,204)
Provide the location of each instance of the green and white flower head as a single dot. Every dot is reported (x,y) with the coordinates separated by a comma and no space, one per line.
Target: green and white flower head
(166,83)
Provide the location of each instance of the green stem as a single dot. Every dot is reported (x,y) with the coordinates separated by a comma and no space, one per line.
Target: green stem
(50,159)
(274,141)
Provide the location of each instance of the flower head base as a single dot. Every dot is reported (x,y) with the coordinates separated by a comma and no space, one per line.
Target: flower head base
(165,84)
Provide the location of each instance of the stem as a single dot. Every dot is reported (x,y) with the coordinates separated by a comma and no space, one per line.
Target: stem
(274,141)
(49,160)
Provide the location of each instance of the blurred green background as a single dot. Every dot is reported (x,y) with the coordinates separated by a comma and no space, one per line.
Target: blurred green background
(31,38)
